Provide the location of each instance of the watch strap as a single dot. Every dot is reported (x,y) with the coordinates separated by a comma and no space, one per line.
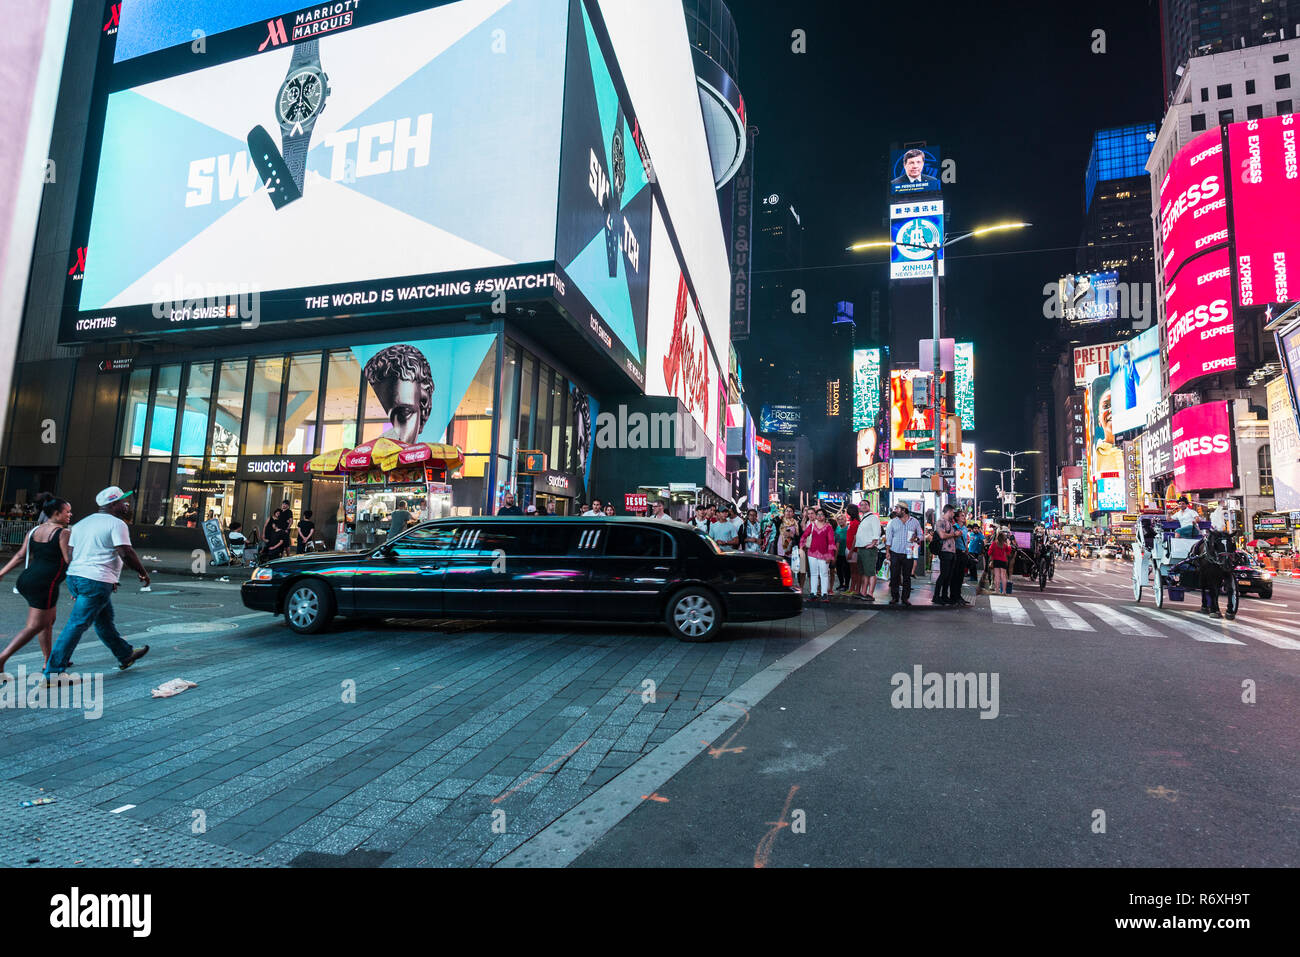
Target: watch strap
(280,185)
(305,53)
(295,155)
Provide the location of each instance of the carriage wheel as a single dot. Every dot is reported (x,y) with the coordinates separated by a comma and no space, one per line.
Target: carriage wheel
(1158,587)
(1234,597)
(1138,569)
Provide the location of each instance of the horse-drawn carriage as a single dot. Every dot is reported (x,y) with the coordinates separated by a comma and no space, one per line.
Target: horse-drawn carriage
(1171,562)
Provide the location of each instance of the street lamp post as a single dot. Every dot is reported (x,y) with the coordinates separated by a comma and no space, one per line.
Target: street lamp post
(936,249)
(1001,473)
(1012,456)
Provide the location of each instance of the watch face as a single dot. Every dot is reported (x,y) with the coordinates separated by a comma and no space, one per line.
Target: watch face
(301,97)
(620,161)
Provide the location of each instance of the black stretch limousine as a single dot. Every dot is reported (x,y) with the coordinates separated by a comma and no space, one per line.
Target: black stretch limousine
(603,569)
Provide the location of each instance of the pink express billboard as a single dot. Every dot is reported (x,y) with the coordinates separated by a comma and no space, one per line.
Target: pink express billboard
(1198,317)
(1193,202)
(1202,448)
(1265,207)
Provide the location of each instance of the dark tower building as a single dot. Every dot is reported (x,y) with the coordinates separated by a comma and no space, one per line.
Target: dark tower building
(1197,27)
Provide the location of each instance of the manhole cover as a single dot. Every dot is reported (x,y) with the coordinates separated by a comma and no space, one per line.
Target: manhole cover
(192,627)
(195,605)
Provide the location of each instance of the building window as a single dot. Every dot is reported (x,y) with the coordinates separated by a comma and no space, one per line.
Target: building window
(1265,470)
(342,391)
(1205,94)
(1283,107)
(1281,57)
(1198,122)
(264,406)
(1250,87)
(134,413)
(1225,117)
(198,399)
(1255,112)
(300,428)
(162,434)
(1223,91)
(1282,81)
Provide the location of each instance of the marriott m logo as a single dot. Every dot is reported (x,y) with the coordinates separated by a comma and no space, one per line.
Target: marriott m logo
(275,34)
(114,18)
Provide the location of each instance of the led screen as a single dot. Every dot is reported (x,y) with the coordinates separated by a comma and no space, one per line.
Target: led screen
(866,387)
(339,173)
(1198,317)
(916,170)
(1090,297)
(1105,457)
(1203,448)
(1265,208)
(779,419)
(1193,202)
(911,226)
(964,384)
(1135,380)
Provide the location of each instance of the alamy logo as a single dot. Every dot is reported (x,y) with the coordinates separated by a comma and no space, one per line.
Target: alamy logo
(75,910)
(950,691)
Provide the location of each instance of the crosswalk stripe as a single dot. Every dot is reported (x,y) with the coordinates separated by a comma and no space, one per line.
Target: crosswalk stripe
(1255,631)
(1008,610)
(1061,618)
(1120,622)
(1187,628)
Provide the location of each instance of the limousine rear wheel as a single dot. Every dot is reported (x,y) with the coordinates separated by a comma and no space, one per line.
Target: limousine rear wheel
(694,614)
(308,607)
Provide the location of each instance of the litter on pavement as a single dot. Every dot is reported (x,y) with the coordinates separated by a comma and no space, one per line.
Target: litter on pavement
(173,687)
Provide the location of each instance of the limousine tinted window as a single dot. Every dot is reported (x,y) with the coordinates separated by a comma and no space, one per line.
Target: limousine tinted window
(535,539)
(425,538)
(637,542)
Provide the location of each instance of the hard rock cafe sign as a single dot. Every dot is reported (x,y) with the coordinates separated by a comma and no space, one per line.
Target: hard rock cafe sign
(686,367)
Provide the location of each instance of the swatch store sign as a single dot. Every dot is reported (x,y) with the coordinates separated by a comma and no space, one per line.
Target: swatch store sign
(285,468)
(1203,448)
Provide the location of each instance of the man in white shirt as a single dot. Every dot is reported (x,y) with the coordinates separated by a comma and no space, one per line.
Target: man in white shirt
(658,514)
(868,543)
(1186,517)
(100,544)
(722,531)
(595,510)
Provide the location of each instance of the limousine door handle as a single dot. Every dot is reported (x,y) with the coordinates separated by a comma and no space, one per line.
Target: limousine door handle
(429,568)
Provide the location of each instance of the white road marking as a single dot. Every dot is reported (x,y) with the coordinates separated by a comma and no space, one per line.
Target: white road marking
(1120,622)
(575,831)
(119,810)
(1062,619)
(1199,632)
(1009,610)
(1277,641)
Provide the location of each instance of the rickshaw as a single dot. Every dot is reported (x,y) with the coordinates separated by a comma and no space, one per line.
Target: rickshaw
(1170,563)
(1034,557)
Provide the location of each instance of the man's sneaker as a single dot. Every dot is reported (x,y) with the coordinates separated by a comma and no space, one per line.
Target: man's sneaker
(135,656)
(893,601)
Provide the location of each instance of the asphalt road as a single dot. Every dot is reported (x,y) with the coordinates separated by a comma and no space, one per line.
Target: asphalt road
(1122,736)
(1107,717)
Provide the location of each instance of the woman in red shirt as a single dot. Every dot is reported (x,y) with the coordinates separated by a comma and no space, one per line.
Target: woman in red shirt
(819,545)
(1001,554)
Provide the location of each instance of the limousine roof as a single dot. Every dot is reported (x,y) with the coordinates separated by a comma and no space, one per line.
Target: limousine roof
(568,519)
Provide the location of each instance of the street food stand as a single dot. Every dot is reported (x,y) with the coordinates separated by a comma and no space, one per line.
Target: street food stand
(382,473)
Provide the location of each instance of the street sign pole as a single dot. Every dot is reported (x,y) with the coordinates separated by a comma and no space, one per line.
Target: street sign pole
(938,387)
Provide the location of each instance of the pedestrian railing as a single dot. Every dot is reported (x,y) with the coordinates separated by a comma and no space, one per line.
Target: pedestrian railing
(12,533)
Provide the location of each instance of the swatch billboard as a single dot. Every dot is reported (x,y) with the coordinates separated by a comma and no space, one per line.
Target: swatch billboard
(1265,209)
(1198,317)
(1203,448)
(1193,202)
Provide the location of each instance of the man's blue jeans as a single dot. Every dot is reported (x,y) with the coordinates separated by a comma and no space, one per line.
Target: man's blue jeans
(93,605)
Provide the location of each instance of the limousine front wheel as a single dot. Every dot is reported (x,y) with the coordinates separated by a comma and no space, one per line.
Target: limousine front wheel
(307,607)
(694,615)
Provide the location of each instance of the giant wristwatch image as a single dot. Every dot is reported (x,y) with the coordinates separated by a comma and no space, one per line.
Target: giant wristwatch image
(614,215)
(298,103)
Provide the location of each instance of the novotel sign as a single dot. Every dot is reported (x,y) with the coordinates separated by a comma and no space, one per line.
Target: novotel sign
(291,467)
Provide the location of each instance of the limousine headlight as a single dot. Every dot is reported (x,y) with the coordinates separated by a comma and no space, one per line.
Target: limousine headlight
(261,575)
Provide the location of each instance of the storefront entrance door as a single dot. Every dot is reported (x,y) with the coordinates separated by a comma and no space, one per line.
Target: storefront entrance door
(259,499)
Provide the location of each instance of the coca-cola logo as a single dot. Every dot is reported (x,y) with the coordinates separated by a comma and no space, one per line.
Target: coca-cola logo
(686,367)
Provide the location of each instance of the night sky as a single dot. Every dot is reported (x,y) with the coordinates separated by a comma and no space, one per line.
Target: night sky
(1009,90)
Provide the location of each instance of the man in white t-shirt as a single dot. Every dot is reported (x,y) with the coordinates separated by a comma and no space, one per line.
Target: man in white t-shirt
(867,544)
(100,544)
(1186,517)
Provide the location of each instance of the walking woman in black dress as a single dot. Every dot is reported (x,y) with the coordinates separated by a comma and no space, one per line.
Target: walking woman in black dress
(46,554)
